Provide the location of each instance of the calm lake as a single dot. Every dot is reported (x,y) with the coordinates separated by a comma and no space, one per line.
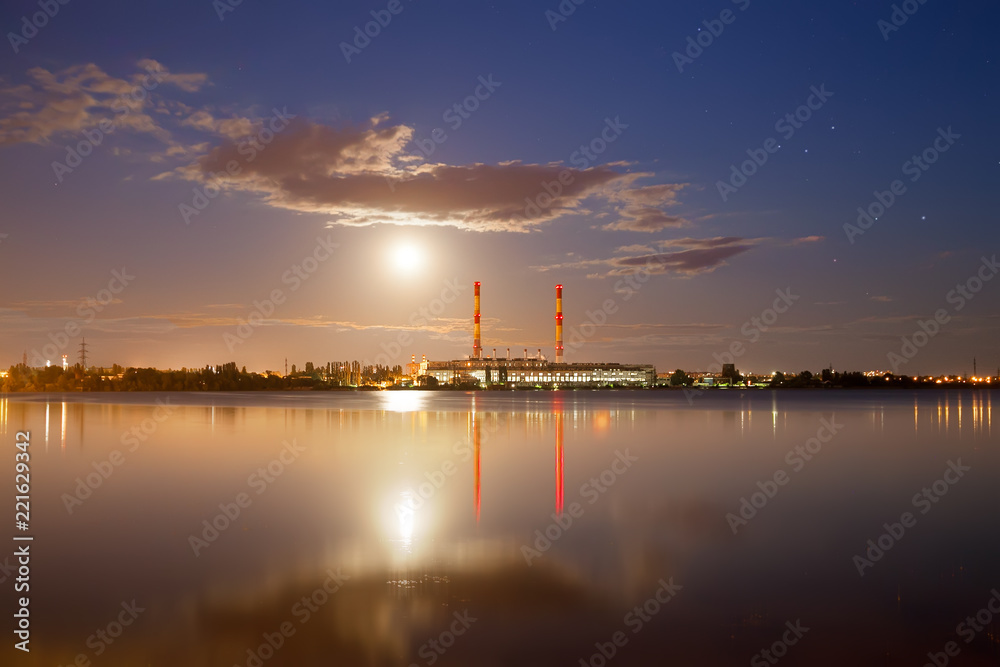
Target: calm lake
(509,528)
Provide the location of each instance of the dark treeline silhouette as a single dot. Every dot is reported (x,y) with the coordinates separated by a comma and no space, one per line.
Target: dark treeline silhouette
(833,379)
(225,377)
(353,375)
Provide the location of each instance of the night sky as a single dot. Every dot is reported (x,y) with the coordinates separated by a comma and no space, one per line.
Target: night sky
(402,201)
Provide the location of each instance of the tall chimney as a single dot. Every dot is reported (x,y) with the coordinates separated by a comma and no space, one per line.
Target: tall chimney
(508,353)
(559,319)
(477,343)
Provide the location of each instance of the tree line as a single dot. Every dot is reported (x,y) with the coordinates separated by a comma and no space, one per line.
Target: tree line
(224,377)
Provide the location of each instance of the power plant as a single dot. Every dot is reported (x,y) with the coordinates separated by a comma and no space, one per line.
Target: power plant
(536,371)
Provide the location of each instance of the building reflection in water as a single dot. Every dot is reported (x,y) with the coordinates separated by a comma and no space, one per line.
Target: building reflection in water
(475,419)
(408,575)
(981,404)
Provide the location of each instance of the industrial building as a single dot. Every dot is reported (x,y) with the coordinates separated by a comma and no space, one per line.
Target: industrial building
(534,371)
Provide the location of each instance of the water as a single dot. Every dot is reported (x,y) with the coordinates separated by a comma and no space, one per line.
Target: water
(418,512)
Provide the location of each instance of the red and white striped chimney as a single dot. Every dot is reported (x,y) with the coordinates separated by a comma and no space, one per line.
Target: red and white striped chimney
(559,320)
(477,343)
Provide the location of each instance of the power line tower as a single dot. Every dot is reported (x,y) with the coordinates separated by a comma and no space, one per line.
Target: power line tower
(83,353)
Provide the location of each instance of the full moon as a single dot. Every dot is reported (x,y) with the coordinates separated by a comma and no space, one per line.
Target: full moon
(407,258)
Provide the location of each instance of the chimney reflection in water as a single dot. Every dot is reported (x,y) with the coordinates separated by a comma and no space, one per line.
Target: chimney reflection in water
(476,469)
(559,456)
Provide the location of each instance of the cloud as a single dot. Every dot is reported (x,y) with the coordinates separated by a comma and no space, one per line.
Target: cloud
(686,257)
(366,175)
(80,97)
(44,317)
(686,262)
(234,127)
(357,175)
(190,83)
(641,208)
(688,242)
(634,248)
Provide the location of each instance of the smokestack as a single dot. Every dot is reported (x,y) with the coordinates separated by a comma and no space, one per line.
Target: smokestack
(559,319)
(494,353)
(508,355)
(477,343)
